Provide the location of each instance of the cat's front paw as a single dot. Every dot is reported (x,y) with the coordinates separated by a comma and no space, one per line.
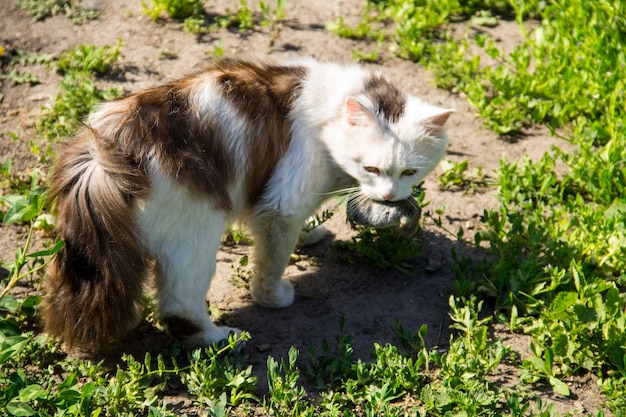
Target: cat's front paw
(272,293)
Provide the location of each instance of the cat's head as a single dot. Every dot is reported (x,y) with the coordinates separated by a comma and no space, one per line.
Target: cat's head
(389,142)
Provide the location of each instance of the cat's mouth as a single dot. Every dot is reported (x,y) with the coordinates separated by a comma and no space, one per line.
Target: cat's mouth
(363,210)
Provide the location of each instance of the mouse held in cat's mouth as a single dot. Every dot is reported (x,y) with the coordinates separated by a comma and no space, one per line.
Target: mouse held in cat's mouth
(368,212)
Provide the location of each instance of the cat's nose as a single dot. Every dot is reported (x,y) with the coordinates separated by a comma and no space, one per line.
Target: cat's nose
(389,196)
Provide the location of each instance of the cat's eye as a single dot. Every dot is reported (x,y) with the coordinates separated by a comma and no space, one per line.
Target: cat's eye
(372,170)
(409,172)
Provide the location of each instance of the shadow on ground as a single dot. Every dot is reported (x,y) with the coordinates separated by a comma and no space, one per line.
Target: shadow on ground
(366,299)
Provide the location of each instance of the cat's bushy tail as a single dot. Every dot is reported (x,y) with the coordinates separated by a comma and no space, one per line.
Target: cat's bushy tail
(94,283)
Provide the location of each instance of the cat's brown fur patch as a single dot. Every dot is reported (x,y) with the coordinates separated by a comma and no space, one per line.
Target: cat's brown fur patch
(388,100)
(263,95)
(160,122)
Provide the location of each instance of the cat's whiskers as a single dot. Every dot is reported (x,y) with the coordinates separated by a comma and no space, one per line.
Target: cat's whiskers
(341,192)
(358,199)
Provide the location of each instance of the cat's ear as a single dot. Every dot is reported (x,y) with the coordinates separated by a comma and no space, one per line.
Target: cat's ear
(359,113)
(434,123)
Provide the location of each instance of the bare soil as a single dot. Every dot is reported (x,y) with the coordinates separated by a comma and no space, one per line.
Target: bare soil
(327,289)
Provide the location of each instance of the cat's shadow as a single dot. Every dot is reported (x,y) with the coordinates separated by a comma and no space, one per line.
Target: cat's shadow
(333,299)
(337,298)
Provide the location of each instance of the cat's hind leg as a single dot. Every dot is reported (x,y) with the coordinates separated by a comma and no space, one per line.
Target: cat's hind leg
(183,233)
(182,301)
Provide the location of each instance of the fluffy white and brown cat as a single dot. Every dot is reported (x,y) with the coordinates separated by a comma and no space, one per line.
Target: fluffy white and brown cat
(149,184)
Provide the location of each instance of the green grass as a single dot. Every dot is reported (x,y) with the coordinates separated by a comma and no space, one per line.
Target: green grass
(14,65)
(456,176)
(177,9)
(195,20)
(79,92)
(42,9)
(555,247)
(383,249)
(82,67)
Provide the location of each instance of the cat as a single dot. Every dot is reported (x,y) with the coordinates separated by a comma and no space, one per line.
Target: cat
(149,183)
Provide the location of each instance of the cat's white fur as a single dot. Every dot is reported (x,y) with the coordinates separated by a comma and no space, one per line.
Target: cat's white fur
(337,139)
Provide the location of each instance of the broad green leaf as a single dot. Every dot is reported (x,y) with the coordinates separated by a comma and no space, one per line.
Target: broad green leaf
(32,392)
(72,396)
(559,386)
(9,303)
(11,346)
(18,408)
(13,199)
(30,302)
(8,327)
(20,211)
(537,363)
